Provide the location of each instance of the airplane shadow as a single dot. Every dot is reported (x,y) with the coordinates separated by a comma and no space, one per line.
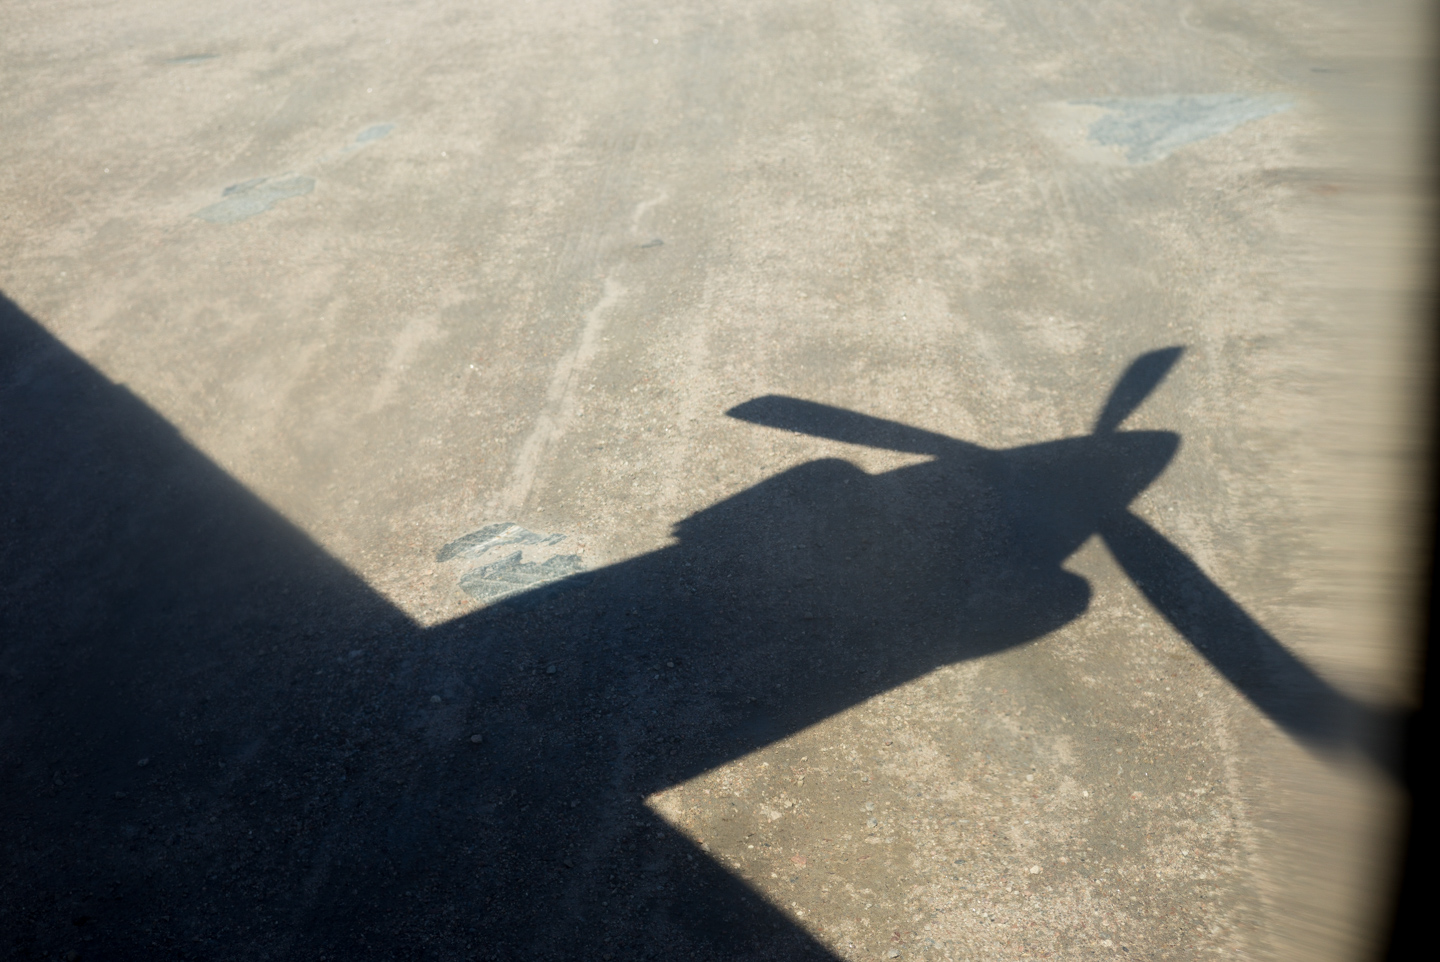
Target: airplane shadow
(309,786)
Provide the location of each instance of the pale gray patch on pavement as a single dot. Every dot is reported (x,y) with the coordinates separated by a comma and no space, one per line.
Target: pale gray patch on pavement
(511,574)
(373,133)
(493,536)
(245,200)
(1152,128)
(193,58)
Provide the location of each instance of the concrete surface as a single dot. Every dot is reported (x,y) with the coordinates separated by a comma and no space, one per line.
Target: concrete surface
(383,576)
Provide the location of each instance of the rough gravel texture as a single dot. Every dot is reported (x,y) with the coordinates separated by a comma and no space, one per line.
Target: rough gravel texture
(554,480)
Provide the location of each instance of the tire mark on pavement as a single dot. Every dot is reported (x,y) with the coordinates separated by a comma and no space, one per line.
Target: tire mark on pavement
(559,408)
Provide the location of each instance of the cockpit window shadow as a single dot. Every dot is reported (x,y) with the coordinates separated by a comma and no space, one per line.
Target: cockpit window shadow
(219,741)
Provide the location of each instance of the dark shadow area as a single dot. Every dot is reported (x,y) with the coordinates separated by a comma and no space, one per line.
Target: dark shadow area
(309,782)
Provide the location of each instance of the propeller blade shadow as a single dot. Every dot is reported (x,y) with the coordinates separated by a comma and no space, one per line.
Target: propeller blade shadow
(1275,681)
(1142,377)
(838,424)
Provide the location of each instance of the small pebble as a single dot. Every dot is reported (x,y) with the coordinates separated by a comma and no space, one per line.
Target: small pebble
(476,739)
(550,670)
(143,762)
(893,954)
(435,699)
(1034,870)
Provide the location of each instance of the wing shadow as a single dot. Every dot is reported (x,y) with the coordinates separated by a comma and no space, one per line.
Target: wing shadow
(310,784)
